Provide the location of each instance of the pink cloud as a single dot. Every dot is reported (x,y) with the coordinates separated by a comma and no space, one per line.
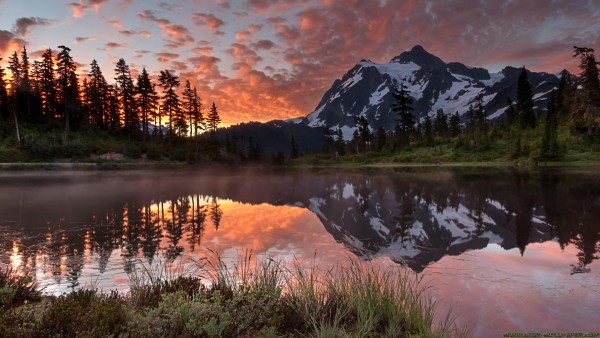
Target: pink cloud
(209,21)
(164,57)
(83,5)
(115,23)
(242,35)
(203,50)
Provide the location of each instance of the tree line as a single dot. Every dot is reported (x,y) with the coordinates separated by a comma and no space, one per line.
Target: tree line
(49,92)
(573,105)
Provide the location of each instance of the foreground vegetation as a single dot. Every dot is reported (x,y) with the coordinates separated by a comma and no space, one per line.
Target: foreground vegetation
(246,298)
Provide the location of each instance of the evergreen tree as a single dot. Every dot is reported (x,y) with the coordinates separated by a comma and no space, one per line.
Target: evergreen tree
(213,119)
(47,85)
(198,118)
(565,95)
(170,99)
(550,148)
(15,92)
(441,123)
(381,139)
(480,115)
(403,107)
(126,95)
(525,101)
(364,134)
(454,125)
(147,100)
(113,106)
(192,108)
(428,131)
(511,113)
(295,152)
(68,89)
(590,97)
(97,96)
(340,144)
(329,140)
(4,110)
(24,101)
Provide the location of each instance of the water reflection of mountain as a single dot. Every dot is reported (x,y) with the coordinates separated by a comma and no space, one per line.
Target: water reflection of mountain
(416,218)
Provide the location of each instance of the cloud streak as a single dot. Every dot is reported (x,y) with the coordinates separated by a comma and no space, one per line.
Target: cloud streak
(22,25)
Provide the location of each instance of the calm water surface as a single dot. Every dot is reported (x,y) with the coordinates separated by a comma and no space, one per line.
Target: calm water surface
(508,251)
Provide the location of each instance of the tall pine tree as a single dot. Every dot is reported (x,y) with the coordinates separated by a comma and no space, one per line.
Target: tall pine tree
(590,96)
(170,99)
(97,97)
(525,101)
(68,89)
(213,119)
(15,93)
(147,100)
(47,86)
(126,95)
(403,106)
(4,111)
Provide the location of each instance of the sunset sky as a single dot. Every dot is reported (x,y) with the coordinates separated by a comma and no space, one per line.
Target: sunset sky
(273,59)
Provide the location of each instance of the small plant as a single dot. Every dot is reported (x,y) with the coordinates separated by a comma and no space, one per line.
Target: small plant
(17,287)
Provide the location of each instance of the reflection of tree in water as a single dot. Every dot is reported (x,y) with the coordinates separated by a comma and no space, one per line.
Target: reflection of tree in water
(215,212)
(150,232)
(587,241)
(196,225)
(362,189)
(405,218)
(174,227)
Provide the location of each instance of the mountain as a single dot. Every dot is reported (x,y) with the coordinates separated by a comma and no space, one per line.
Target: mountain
(367,89)
(276,136)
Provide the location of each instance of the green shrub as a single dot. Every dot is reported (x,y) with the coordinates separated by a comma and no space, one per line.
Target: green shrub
(17,288)
(8,155)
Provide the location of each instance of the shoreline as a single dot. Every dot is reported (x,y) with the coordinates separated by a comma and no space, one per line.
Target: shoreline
(136,165)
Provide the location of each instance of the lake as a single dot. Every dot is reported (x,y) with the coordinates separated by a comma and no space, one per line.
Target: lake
(508,250)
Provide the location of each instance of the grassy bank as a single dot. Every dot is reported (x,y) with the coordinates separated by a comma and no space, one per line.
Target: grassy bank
(247,298)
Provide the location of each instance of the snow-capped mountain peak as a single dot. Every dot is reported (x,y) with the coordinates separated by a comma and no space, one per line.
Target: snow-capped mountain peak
(366,90)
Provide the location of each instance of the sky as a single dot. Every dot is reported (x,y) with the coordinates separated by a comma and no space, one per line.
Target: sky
(260,60)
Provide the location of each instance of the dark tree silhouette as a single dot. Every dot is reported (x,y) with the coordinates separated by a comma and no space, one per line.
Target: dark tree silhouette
(213,119)
(440,123)
(47,86)
(147,100)
(4,111)
(68,89)
(589,103)
(170,99)
(403,106)
(525,101)
(126,95)
(15,92)
(96,96)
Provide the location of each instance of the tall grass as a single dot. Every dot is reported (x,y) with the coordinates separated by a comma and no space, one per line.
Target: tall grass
(246,297)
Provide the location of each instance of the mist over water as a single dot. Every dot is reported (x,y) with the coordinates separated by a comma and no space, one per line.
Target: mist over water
(508,250)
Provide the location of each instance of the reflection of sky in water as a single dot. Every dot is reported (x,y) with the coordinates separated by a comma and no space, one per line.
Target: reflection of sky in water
(498,291)
(90,232)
